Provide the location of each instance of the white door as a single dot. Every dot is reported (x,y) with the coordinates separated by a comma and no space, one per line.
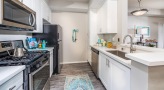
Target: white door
(120,76)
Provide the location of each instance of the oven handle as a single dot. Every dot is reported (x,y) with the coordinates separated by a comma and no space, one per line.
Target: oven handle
(39,69)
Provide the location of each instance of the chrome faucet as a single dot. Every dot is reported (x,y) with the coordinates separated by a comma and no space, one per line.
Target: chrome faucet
(132,49)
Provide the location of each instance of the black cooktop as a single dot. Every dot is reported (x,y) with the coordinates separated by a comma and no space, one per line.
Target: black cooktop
(30,56)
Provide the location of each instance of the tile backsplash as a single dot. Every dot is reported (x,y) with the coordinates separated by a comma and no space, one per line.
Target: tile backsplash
(6,35)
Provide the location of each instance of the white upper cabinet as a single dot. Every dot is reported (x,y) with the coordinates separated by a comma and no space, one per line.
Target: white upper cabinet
(39,19)
(46,11)
(28,3)
(42,12)
(107,17)
(112,17)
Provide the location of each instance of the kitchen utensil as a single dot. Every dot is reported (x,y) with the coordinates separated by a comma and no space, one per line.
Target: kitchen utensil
(18,52)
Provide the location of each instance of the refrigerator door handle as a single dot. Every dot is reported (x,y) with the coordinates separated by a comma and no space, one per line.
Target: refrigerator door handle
(58,35)
(58,47)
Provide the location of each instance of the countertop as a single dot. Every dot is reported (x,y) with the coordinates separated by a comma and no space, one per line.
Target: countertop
(47,48)
(116,58)
(149,59)
(8,72)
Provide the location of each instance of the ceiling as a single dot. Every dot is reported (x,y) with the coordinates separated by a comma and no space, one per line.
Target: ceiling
(149,4)
(69,5)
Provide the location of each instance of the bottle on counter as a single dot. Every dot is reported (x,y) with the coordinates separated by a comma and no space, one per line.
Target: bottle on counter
(99,42)
(109,44)
(114,46)
(39,44)
(43,44)
(104,43)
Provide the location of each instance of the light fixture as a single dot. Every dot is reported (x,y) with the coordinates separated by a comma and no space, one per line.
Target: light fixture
(139,12)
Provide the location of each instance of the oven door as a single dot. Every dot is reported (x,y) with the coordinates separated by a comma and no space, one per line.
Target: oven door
(39,79)
(16,14)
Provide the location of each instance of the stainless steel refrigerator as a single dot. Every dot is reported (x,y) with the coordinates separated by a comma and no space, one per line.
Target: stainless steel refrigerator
(53,35)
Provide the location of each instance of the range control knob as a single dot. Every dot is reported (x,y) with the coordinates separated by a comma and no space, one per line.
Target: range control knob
(38,65)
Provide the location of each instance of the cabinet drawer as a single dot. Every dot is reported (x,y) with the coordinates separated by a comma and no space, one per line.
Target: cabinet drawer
(14,83)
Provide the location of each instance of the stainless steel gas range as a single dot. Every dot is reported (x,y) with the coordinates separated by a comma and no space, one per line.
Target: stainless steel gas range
(37,73)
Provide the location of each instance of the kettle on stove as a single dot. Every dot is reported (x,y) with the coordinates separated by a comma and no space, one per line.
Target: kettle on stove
(18,52)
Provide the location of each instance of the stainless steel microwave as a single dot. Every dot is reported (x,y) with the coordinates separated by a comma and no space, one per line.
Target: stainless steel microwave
(14,14)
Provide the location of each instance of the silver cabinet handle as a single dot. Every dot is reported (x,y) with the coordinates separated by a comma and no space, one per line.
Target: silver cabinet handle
(12,88)
(107,62)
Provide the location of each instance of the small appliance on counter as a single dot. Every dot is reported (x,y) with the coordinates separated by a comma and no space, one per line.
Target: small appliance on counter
(36,62)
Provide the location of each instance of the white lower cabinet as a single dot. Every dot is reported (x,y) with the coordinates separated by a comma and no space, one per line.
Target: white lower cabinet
(120,76)
(14,83)
(113,75)
(104,70)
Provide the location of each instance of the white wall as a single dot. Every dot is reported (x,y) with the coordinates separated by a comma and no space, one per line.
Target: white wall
(152,22)
(73,52)
(6,35)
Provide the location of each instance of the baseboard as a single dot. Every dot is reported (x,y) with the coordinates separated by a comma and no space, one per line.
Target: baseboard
(75,62)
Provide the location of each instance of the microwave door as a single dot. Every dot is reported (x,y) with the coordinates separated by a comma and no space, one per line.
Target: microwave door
(16,14)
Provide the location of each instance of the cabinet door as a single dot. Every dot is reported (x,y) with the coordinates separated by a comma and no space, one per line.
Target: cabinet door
(112,16)
(45,10)
(29,3)
(39,19)
(102,19)
(120,76)
(104,70)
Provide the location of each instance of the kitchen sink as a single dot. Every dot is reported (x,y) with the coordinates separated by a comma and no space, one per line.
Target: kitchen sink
(119,54)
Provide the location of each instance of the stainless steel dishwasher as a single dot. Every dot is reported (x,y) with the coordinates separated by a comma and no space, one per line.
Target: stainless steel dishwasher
(94,61)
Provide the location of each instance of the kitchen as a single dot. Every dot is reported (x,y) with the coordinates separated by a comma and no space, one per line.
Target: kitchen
(81,44)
